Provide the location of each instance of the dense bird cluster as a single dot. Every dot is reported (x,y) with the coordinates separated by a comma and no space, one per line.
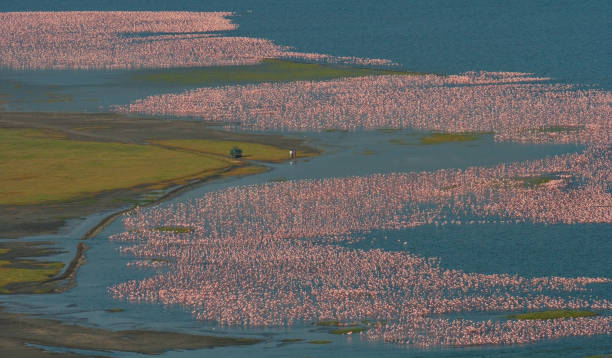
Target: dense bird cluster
(517,107)
(85,40)
(272,254)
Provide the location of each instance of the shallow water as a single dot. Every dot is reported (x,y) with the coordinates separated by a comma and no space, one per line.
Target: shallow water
(566,40)
(525,249)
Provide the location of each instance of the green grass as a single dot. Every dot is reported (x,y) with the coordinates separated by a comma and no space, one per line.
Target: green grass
(251,151)
(32,272)
(554,314)
(320,341)
(330,323)
(533,181)
(388,130)
(39,166)
(4,251)
(292,340)
(246,170)
(114,310)
(368,152)
(270,70)
(175,229)
(347,330)
(441,138)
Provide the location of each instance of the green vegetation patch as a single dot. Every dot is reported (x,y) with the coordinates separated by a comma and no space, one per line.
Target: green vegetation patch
(347,330)
(115,310)
(26,271)
(246,170)
(38,166)
(554,314)
(252,151)
(368,152)
(330,323)
(292,340)
(269,70)
(441,138)
(320,341)
(533,181)
(175,229)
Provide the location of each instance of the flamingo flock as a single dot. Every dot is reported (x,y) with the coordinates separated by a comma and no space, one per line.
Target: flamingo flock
(516,107)
(120,40)
(278,254)
(274,254)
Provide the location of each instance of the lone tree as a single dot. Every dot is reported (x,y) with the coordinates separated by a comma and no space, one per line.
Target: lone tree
(236,152)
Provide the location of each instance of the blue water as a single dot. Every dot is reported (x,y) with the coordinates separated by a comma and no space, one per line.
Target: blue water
(565,39)
(570,41)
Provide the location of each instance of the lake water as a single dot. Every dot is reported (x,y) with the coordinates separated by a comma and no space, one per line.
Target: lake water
(566,40)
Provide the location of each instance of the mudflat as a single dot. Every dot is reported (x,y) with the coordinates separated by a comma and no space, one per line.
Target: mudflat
(17,330)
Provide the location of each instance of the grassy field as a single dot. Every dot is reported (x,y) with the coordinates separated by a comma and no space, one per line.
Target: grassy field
(251,151)
(554,314)
(270,70)
(30,271)
(38,166)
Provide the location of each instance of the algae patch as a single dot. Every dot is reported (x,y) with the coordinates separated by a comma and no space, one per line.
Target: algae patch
(174,229)
(441,138)
(553,314)
(268,70)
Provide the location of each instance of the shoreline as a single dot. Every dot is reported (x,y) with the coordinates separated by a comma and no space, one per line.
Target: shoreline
(20,335)
(21,221)
(63,334)
(79,259)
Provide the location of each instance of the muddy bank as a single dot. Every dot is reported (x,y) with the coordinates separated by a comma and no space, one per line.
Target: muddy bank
(17,330)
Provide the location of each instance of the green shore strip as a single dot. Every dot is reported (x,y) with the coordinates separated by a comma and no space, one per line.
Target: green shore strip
(441,138)
(269,70)
(39,166)
(320,341)
(553,314)
(250,151)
